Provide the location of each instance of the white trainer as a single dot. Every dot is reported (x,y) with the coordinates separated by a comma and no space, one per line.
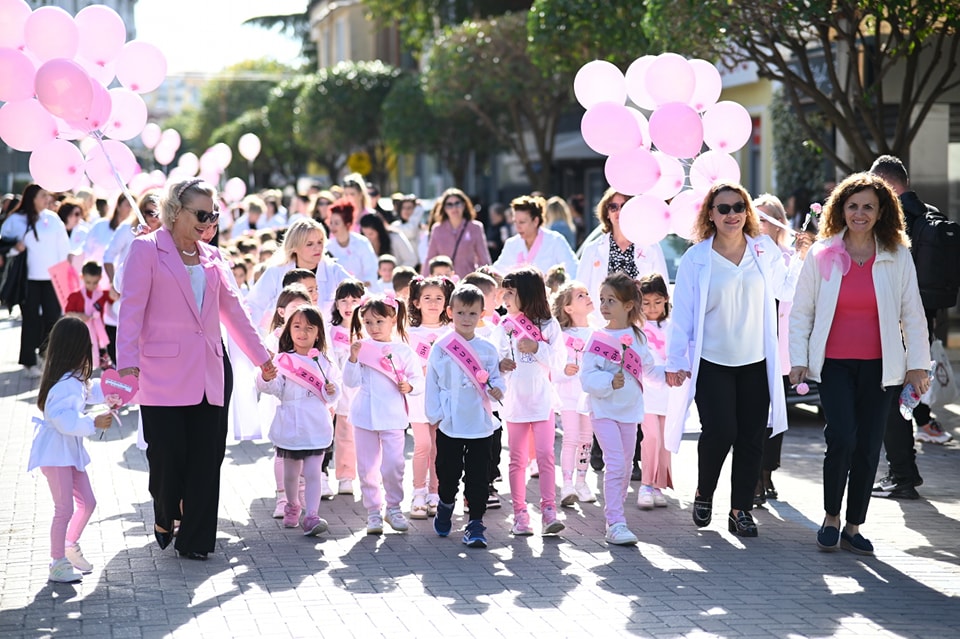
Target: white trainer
(585,493)
(645,498)
(397,521)
(77,560)
(659,501)
(568,494)
(374,524)
(326,491)
(619,535)
(345,487)
(281,504)
(62,571)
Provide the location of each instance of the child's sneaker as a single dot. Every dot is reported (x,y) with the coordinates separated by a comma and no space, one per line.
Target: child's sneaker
(568,494)
(521,524)
(473,536)
(645,498)
(442,523)
(345,487)
(278,510)
(493,498)
(619,535)
(551,525)
(77,560)
(533,469)
(61,571)
(659,501)
(374,524)
(585,493)
(433,499)
(291,515)
(396,520)
(933,433)
(418,507)
(313,526)
(326,491)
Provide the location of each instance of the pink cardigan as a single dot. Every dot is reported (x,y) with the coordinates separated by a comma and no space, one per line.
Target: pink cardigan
(177,348)
(472,251)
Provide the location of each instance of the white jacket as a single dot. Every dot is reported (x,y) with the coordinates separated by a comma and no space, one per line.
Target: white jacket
(302,419)
(452,399)
(622,404)
(595,259)
(898,304)
(58,438)
(379,404)
(531,396)
(685,335)
(554,249)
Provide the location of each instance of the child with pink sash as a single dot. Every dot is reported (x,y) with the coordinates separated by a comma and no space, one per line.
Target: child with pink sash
(615,364)
(428,301)
(307,383)
(346,300)
(385,371)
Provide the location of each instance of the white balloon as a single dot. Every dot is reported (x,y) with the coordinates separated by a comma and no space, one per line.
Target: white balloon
(249,146)
(599,81)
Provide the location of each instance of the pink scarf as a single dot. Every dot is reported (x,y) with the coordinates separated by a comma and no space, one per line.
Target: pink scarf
(834,254)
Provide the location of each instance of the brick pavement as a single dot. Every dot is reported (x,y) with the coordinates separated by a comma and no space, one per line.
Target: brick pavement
(265,581)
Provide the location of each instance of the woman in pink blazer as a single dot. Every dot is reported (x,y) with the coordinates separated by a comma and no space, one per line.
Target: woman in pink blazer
(176,294)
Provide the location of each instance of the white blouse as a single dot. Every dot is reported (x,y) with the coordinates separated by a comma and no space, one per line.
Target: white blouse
(379,404)
(733,321)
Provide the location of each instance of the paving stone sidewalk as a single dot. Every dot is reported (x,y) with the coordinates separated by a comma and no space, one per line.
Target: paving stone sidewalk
(264,581)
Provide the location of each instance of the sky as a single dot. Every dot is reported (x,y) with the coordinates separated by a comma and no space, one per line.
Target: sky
(208,35)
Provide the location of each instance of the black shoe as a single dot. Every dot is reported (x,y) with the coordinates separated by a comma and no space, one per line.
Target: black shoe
(856,544)
(635,474)
(196,556)
(759,496)
(702,511)
(163,537)
(769,490)
(596,457)
(828,538)
(742,524)
(895,488)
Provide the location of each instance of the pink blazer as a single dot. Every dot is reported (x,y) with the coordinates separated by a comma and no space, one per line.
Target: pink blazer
(178,348)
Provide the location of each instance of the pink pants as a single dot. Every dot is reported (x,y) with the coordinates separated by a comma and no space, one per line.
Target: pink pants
(518,434)
(344,449)
(654,457)
(577,441)
(68,485)
(425,457)
(618,440)
(380,461)
(311,468)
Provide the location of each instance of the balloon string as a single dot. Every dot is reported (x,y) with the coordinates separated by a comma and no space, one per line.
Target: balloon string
(98,136)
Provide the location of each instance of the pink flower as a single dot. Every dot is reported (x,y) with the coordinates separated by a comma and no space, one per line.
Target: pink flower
(626,340)
(578,344)
(802,387)
(483,376)
(432,337)
(387,350)
(313,353)
(815,208)
(113,401)
(386,364)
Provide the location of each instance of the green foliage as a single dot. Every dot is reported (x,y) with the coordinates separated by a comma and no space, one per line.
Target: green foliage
(292,25)
(798,160)
(566,34)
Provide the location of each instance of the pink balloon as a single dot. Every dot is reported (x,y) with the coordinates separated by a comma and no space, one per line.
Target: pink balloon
(645,220)
(64,89)
(57,166)
(114,153)
(50,32)
(16,76)
(632,172)
(676,129)
(599,81)
(127,117)
(140,183)
(150,136)
(727,126)
(99,112)
(13,18)
(209,163)
(610,128)
(672,177)
(141,66)
(178,174)
(684,211)
(234,190)
(249,146)
(712,167)
(102,33)
(708,85)
(670,78)
(644,125)
(101,72)
(25,125)
(189,162)
(171,138)
(67,132)
(164,153)
(222,155)
(637,83)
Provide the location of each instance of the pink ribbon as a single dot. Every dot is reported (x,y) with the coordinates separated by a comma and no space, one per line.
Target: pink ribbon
(834,254)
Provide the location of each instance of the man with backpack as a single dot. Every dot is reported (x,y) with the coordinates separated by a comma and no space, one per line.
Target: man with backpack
(935,245)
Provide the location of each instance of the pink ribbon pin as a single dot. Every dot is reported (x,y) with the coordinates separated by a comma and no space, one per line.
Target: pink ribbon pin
(834,254)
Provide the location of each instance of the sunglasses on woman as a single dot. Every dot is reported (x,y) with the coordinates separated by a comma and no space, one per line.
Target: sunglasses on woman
(205,217)
(724,209)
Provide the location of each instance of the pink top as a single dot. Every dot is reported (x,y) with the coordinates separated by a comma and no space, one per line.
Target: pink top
(471,253)
(855,331)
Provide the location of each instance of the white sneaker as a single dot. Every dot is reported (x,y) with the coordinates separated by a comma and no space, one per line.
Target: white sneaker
(397,521)
(659,501)
(568,494)
(326,491)
(521,525)
(585,493)
(932,433)
(645,498)
(533,469)
(619,535)
(61,571)
(345,487)
(418,507)
(32,372)
(281,504)
(77,560)
(433,500)
(374,524)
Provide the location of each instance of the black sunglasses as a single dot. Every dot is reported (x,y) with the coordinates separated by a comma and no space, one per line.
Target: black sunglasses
(613,207)
(205,217)
(724,209)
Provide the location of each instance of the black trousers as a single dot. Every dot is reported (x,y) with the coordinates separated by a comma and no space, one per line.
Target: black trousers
(855,405)
(112,346)
(467,458)
(734,402)
(35,328)
(185,448)
(496,449)
(772,447)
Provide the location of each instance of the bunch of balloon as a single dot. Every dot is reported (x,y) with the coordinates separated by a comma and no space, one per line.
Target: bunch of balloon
(54,74)
(661,159)
(249,147)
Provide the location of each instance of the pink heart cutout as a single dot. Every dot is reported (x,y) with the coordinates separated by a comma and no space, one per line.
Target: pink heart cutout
(111,383)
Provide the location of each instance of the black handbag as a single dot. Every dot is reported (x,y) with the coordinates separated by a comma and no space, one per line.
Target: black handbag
(13,290)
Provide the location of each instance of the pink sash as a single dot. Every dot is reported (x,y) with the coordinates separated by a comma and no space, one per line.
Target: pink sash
(340,337)
(373,357)
(606,347)
(305,377)
(521,326)
(469,362)
(527,258)
(422,346)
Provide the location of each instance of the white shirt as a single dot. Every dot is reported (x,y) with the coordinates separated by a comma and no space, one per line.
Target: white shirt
(400,248)
(733,324)
(340,354)
(530,395)
(48,247)
(357,257)
(554,249)
(97,239)
(58,438)
(453,400)
(302,419)
(379,404)
(596,375)
(568,386)
(424,334)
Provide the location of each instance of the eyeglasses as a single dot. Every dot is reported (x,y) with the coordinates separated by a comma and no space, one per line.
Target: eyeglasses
(152,213)
(613,207)
(453,204)
(205,217)
(724,209)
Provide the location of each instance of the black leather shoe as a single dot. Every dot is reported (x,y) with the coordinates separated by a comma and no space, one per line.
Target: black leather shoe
(190,554)
(702,511)
(163,537)
(742,524)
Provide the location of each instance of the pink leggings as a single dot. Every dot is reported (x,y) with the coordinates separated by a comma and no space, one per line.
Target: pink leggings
(312,469)
(380,461)
(344,449)
(425,457)
(68,485)
(577,440)
(518,435)
(654,457)
(618,440)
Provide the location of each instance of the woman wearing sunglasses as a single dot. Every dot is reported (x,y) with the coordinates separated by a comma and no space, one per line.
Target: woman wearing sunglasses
(724,340)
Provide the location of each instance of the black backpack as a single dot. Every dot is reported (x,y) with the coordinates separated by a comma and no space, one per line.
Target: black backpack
(936,253)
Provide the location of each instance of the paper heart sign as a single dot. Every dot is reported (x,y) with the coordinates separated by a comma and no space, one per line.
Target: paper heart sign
(126,387)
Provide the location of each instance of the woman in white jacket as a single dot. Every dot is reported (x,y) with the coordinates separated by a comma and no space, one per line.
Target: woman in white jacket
(857,304)
(724,337)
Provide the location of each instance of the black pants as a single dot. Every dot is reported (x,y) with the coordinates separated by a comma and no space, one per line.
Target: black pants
(496,449)
(112,346)
(35,328)
(898,441)
(185,448)
(772,447)
(855,406)
(469,458)
(734,402)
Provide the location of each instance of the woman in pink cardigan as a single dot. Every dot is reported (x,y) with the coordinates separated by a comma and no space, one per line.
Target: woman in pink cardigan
(457,234)
(177,292)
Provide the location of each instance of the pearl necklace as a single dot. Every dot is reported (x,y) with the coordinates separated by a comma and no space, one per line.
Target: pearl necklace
(188,254)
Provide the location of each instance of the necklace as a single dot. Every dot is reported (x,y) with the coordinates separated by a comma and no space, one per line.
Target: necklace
(188,253)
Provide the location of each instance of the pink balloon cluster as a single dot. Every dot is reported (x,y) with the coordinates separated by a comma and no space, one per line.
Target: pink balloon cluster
(654,159)
(54,72)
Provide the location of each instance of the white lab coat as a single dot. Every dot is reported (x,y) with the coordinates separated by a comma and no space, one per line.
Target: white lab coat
(554,249)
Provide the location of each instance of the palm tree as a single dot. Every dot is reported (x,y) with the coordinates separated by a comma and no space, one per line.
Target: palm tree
(293,25)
